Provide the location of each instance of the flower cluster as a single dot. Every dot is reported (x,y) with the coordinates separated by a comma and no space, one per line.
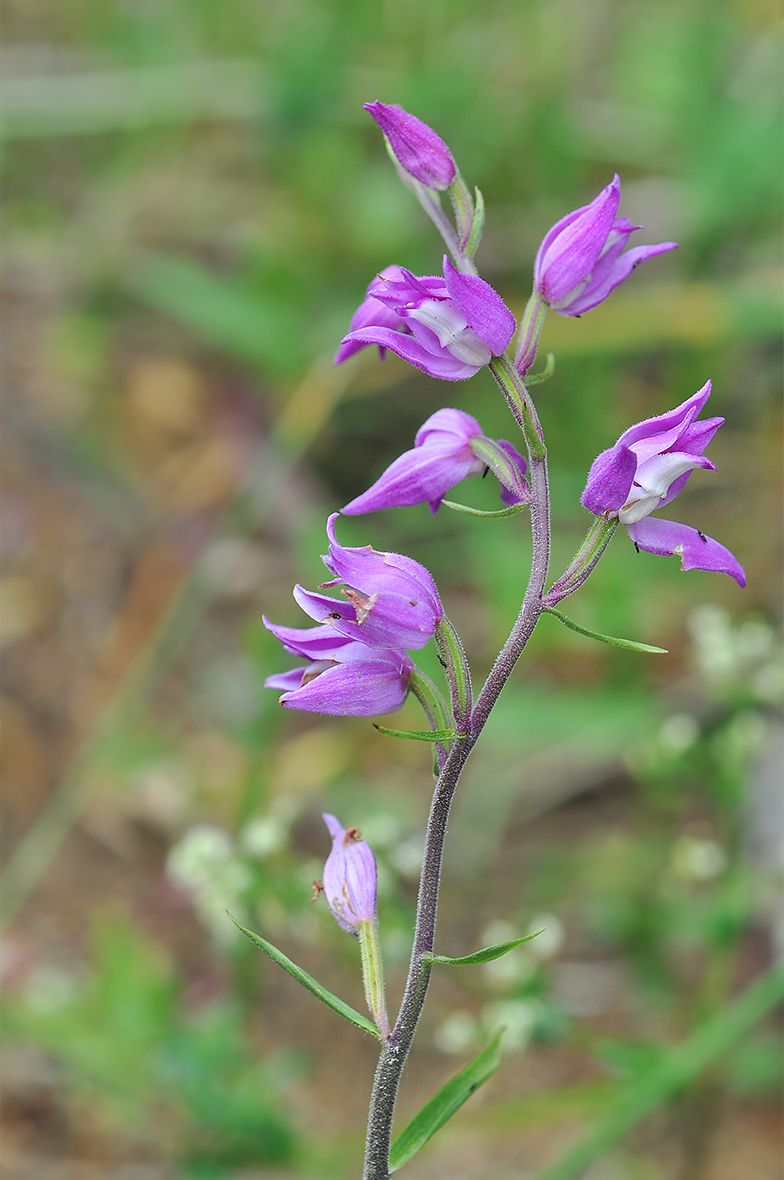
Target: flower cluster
(450,326)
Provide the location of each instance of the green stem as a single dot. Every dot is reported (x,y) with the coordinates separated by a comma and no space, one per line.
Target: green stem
(435,709)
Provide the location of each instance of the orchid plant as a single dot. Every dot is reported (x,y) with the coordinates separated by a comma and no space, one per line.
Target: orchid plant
(381,606)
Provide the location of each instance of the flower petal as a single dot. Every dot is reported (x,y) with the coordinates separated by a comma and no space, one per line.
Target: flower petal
(696,551)
(572,253)
(672,420)
(442,364)
(361,688)
(455,422)
(483,308)
(608,273)
(610,480)
(313,643)
(422,475)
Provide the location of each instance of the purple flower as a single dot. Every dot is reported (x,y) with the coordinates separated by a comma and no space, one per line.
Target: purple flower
(448,447)
(373,313)
(580,261)
(350,878)
(450,328)
(647,467)
(391,601)
(343,677)
(417,149)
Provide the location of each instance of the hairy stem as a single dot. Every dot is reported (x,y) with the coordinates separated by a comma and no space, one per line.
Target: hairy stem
(396,1049)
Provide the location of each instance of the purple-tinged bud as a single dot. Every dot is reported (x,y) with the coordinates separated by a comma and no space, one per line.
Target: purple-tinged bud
(450,328)
(646,469)
(390,602)
(444,454)
(350,887)
(580,260)
(350,878)
(417,149)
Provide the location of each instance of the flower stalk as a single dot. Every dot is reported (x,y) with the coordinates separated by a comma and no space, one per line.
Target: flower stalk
(373,975)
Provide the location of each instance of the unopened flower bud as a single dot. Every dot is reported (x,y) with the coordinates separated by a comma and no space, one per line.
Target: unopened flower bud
(417,148)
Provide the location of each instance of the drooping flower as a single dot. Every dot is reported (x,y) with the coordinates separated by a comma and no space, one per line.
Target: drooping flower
(449,446)
(344,677)
(450,328)
(390,602)
(416,147)
(646,469)
(580,260)
(350,877)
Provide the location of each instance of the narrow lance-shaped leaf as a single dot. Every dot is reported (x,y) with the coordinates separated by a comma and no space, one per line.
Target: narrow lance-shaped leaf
(546,373)
(419,735)
(447,1101)
(319,991)
(486,955)
(629,644)
(512,510)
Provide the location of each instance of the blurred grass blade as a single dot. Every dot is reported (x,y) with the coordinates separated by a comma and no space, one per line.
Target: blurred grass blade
(307,981)
(88,102)
(677,1068)
(257,329)
(447,1101)
(629,644)
(486,955)
(419,735)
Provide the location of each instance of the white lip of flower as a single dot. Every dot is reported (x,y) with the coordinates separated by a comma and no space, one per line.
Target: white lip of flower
(452,330)
(570,296)
(652,482)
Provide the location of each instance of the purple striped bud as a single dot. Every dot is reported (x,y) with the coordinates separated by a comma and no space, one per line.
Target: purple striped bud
(580,260)
(417,149)
(350,878)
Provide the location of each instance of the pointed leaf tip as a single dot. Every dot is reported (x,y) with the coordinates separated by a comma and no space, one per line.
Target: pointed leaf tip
(487,954)
(628,644)
(419,735)
(319,991)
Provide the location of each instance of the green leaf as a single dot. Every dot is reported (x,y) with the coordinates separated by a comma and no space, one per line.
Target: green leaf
(512,510)
(486,955)
(419,735)
(320,992)
(449,1099)
(629,644)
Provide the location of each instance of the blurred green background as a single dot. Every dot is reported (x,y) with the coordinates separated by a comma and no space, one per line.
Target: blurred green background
(194,204)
